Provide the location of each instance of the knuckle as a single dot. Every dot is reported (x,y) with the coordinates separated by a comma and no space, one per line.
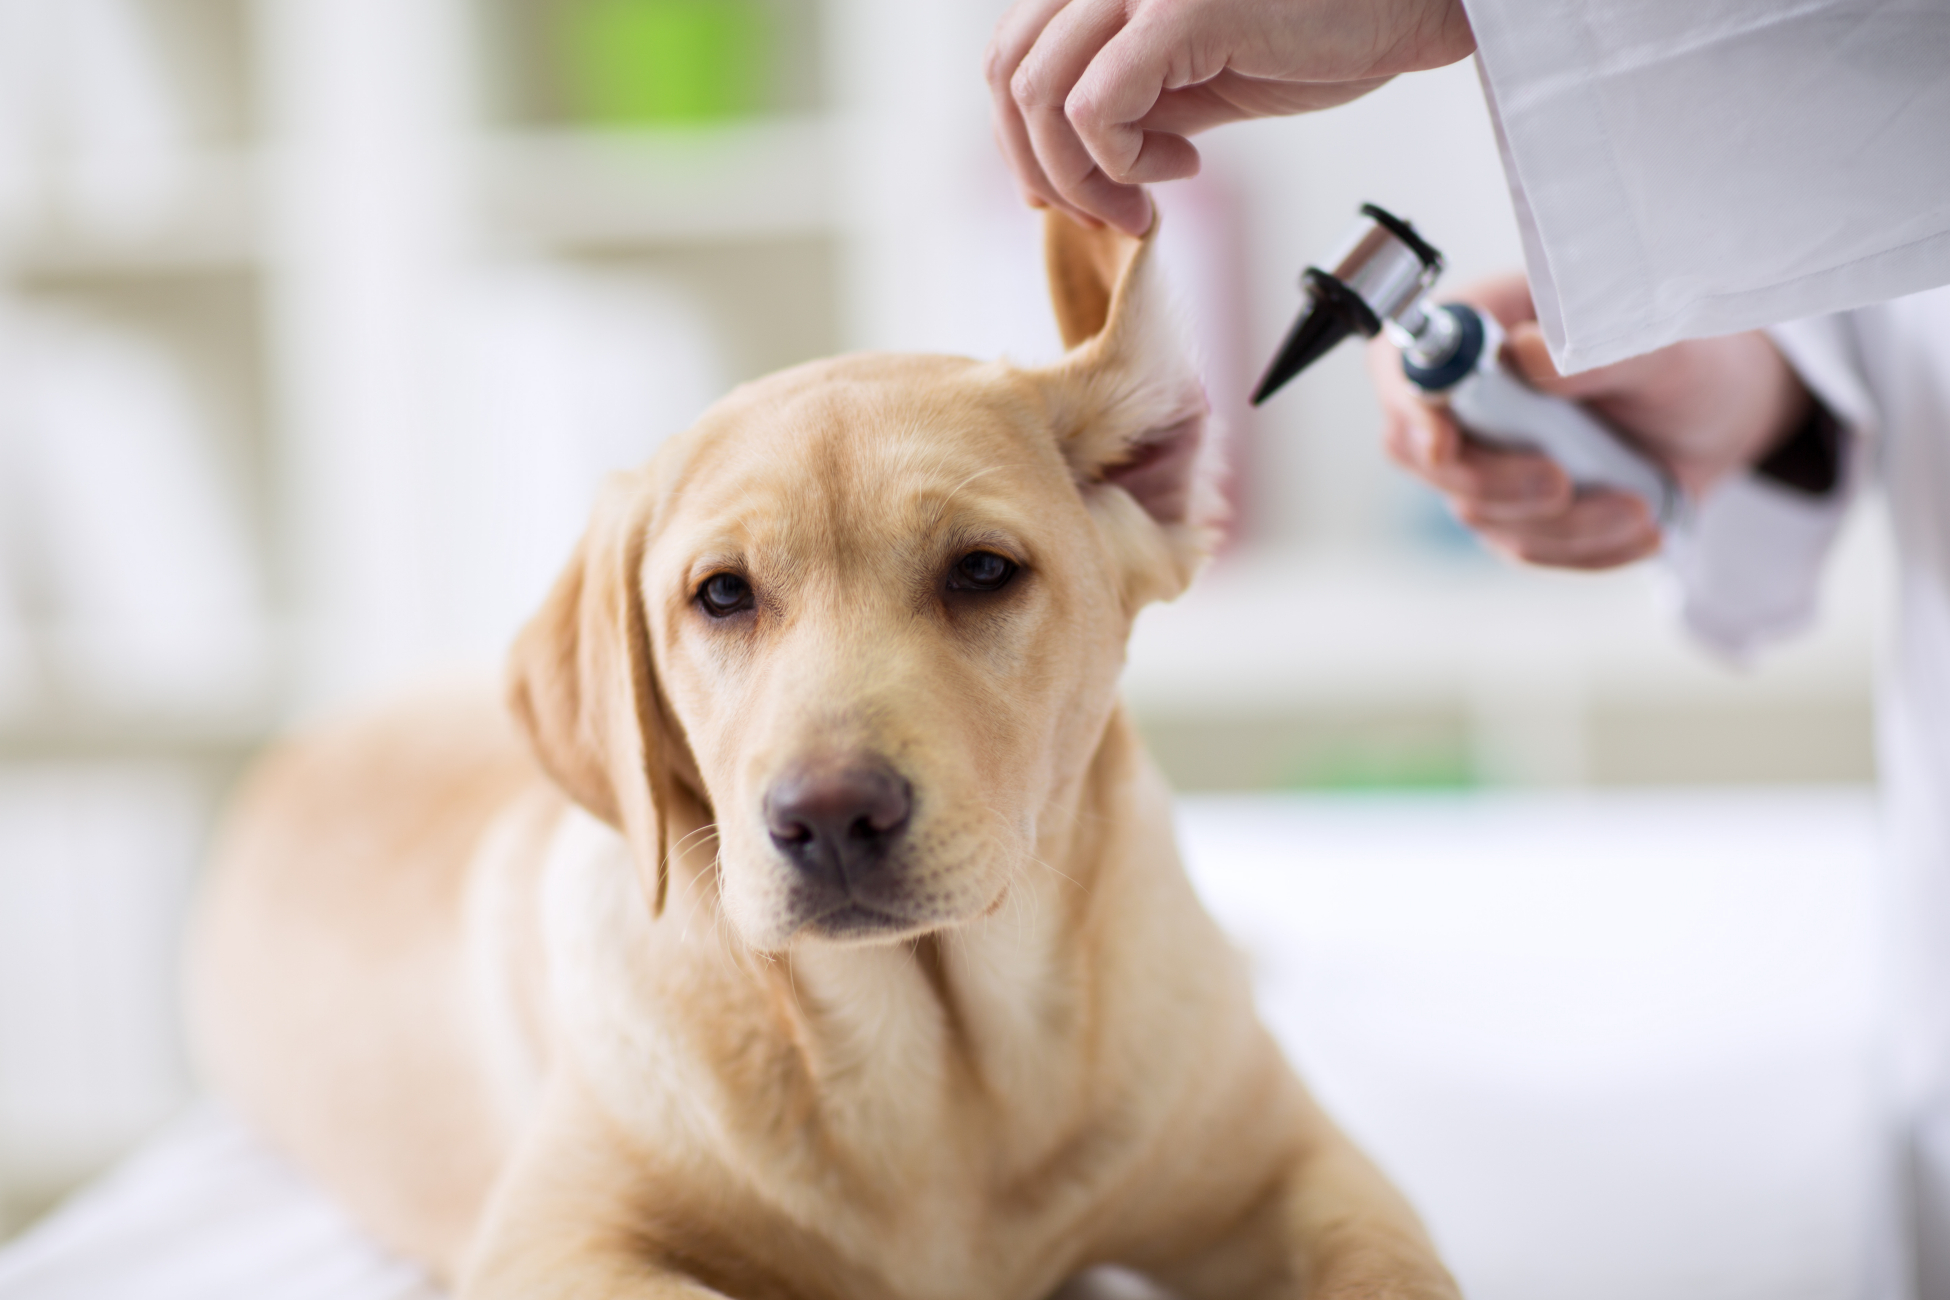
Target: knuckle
(999,65)
(1085,110)
(1026,88)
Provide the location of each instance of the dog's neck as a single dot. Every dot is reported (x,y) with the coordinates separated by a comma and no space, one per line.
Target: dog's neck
(1014,1049)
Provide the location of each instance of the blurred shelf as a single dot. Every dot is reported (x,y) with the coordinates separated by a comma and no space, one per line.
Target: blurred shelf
(72,738)
(63,730)
(187,214)
(1264,632)
(74,692)
(767,178)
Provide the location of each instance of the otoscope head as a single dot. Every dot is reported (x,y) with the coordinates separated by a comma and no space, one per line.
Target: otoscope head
(1383,269)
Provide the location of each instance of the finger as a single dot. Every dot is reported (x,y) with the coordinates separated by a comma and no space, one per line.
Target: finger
(1505,297)
(1488,486)
(1070,38)
(1041,87)
(1229,97)
(1012,136)
(1423,443)
(1601,530)
(1118,86)
(1078,181)
(1493,485)
(1526,350)
(1497,486)
(1418,437)
(1014,36)
(1161,156)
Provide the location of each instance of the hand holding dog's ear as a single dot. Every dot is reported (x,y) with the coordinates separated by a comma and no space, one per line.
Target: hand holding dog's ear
(1093,98)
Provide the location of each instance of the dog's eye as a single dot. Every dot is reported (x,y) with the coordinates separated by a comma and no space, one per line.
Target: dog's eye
(724,594)
(981,571)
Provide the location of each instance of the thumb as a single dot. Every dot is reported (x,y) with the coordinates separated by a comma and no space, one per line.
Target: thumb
(1524,349)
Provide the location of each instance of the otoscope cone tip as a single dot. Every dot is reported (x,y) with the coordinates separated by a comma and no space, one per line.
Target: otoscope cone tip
(1313,335)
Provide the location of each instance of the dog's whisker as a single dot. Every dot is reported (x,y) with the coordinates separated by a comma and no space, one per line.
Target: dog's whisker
(708,828)
(701,890)
(1078,884)
(704,892)
(792,984)
(729,941)
(697,901)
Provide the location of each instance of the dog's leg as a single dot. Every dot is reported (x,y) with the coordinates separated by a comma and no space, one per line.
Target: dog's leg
(556,1225)
(1330,1226)
(554,1272)
(583,1213)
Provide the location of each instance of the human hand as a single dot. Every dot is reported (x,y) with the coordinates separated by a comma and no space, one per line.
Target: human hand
(1096,97)
(1703,409)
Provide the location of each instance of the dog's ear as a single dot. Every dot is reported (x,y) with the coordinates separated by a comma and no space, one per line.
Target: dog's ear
(1129,409)
(582,685)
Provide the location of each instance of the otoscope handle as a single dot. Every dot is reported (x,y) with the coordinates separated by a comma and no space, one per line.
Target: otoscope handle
(1496,407)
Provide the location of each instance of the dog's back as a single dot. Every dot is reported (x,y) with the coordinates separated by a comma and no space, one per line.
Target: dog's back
(335,914)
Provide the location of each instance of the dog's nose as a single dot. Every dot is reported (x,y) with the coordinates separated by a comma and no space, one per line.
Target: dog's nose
(836,820)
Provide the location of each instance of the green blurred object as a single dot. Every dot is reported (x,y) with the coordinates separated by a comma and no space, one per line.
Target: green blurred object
(1349,766)
(652,62)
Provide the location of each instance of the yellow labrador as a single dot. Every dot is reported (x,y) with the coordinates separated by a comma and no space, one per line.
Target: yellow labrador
(838,948)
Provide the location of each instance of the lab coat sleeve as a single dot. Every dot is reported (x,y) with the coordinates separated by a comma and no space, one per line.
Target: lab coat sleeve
(1682,169)
(1747,563)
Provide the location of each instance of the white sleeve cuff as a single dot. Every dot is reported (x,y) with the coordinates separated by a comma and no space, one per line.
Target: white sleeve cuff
(1747,563)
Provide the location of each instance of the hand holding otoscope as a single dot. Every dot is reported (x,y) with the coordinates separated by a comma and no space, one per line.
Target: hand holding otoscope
(1447,361)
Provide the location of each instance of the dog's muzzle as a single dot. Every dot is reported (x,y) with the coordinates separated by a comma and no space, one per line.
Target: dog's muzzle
(842,825)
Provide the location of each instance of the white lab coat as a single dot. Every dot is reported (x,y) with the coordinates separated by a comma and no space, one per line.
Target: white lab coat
(1747,567)
(1885,371)
(1683,167)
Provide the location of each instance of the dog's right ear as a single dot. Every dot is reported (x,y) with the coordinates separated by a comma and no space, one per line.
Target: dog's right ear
(582,685)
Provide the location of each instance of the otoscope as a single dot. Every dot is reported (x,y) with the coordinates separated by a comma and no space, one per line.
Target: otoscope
(1380,282)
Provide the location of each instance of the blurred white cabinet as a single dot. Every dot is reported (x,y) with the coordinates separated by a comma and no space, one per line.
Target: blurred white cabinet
(268,255)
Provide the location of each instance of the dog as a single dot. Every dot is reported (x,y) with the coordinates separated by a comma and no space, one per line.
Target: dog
(810,925)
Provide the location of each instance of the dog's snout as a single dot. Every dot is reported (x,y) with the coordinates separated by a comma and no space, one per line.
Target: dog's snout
(835,819)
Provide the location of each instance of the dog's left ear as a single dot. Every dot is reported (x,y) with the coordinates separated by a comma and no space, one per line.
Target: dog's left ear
(583,686)
(1129,409)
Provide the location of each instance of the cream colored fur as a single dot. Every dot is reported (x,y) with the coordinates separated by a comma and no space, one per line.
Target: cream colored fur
(546,1006)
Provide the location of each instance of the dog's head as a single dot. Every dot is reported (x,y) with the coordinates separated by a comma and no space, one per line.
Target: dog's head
(867,616)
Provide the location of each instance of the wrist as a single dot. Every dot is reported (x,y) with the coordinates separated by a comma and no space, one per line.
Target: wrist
(1807,456)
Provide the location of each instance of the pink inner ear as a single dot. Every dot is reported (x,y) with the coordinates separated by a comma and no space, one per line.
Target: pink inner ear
(1159,471)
